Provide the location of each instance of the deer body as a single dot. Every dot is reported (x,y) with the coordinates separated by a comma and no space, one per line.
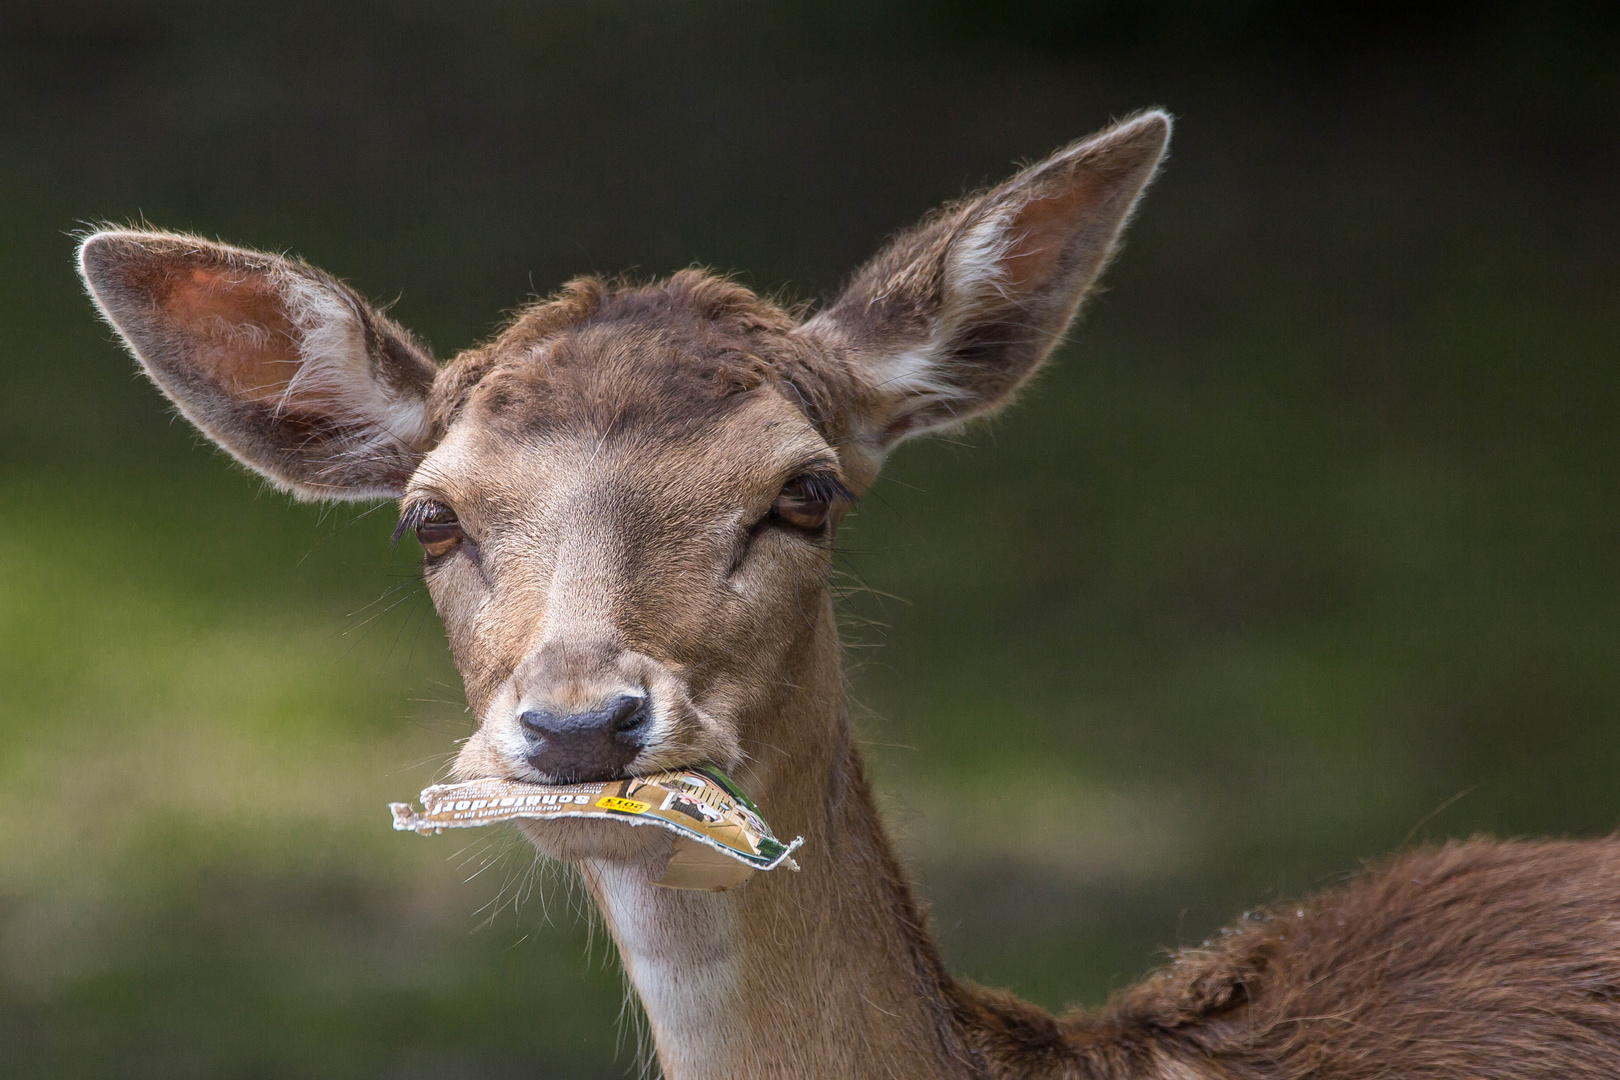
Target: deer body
(626,502)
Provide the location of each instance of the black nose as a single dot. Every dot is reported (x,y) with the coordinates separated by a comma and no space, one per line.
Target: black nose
(595,745)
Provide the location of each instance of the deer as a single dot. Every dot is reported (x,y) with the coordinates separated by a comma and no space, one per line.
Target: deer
(626,501)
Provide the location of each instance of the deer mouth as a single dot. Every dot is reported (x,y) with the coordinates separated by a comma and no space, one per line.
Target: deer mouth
(611,775)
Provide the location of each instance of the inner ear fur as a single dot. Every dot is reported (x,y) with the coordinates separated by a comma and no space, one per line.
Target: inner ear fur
(954,315)
(282,365)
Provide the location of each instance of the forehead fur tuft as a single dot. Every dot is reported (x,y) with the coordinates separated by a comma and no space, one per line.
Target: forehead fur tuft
(601,352)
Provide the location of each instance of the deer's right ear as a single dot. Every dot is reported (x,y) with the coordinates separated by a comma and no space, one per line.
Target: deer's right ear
(280,364)
(953,316)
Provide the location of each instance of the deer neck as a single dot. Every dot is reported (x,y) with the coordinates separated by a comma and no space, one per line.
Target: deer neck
(825,973)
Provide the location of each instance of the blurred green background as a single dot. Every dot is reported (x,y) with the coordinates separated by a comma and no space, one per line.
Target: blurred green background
(1305,549)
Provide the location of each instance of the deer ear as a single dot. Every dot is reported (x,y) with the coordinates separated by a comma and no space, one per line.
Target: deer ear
(954,315)
(278,363)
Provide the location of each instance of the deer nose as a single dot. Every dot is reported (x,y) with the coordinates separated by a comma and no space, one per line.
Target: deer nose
(598,744)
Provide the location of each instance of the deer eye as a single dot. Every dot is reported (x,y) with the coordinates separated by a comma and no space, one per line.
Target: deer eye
(436,526)
(807,500)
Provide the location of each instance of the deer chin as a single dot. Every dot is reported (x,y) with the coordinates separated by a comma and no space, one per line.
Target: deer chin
(578,841)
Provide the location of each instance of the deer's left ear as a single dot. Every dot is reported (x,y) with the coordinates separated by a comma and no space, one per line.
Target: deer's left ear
(282,365)
(954,315)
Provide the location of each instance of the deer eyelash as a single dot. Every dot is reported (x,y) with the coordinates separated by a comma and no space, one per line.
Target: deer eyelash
(827,487)
(412,516)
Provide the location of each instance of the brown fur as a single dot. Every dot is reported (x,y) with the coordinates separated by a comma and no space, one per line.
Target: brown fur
(700,338)
(611,460)
(1476,959)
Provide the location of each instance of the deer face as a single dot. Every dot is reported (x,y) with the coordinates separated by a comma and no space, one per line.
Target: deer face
(627,500)
(627,527)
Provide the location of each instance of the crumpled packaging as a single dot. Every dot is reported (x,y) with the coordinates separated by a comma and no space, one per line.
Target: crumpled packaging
(721,838)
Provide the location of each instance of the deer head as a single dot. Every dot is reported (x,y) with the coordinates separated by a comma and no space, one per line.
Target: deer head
(627,499)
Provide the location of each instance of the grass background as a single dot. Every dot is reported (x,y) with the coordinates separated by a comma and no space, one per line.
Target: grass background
(1305,549)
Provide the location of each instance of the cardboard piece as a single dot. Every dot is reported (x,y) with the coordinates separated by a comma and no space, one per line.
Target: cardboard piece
(721,837)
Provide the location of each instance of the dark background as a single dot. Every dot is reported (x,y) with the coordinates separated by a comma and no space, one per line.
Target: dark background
(1302,551)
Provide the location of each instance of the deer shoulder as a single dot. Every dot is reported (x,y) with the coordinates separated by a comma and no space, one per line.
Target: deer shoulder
(1477,959)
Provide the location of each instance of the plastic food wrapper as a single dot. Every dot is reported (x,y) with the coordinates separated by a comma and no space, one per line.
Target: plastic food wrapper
(721,837)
